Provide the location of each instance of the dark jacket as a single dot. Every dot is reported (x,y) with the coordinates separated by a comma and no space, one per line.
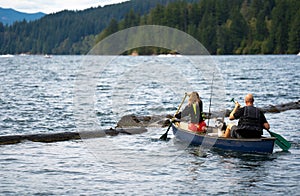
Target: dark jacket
(251,121)
(196,117)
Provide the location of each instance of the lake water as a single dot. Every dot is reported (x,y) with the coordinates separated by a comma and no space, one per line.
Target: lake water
(75,93)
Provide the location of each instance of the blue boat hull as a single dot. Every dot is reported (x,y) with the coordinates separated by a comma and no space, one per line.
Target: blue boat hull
(258,146)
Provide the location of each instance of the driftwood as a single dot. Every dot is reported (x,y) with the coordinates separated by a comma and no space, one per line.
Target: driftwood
(143,121)
(282,107)
(163,120)
(56,137)
(276,108)
(129,121)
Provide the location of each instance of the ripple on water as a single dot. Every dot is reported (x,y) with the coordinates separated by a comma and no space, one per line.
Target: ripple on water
(37,94)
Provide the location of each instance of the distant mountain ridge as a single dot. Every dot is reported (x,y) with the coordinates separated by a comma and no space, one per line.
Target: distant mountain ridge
(223,27)
(9,16)
(69,31)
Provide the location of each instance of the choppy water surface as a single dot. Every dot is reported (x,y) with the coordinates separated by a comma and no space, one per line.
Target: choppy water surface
(37,95)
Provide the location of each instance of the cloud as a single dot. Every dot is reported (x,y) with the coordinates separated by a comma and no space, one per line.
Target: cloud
(32,6)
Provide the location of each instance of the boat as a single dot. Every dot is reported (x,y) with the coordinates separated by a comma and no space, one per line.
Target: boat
(169,55)
(212,139)
(6,56)
(47,56)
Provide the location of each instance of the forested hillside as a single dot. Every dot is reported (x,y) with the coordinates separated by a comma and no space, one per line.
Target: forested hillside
(67,32)
(222,26)
(228,26)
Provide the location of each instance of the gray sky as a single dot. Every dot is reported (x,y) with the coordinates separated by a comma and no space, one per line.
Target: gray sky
(46,6)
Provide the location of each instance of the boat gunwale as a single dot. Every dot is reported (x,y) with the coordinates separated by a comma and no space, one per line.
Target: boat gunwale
(224,138)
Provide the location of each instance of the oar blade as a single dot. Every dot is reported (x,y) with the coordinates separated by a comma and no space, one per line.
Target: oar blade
(280,141)
(165,135)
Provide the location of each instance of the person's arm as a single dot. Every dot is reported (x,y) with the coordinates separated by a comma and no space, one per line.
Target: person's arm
(237,106)
(266,125)
(183,113)
(202,115)
(201,106)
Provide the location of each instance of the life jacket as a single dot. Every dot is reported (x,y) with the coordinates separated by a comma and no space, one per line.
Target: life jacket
(194,111)
(250,123)
(196,114)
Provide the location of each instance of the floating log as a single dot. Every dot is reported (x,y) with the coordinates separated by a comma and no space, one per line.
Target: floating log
(129,121)
(163,120)
(282,107)
(56,137)
(144,121)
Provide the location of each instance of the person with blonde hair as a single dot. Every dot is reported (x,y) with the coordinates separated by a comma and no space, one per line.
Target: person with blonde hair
(194,109)
(251,122)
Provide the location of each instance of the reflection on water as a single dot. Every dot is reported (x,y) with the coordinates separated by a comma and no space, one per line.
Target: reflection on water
(233,172)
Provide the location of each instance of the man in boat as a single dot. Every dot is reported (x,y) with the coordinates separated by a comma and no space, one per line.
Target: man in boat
(251,122)
(194,109)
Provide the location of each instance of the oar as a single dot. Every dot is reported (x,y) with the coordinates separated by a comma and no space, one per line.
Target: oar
(280,141)
(165,135)
(232,100)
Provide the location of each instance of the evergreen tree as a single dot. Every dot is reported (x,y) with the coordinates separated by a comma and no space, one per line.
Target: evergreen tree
(222,26)
(279,33)
(238,30)
(294,35)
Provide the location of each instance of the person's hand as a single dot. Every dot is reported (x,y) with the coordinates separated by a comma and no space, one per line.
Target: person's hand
(178,115)
(237,104)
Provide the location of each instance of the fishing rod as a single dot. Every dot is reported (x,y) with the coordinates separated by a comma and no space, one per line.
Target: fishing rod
(211,90)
